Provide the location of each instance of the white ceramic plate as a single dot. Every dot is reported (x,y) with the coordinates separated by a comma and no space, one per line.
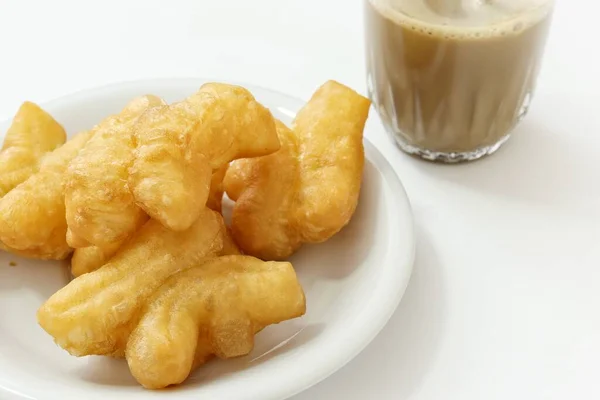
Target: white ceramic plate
(353,283)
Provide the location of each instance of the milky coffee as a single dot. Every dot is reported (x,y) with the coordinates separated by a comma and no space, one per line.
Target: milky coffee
(451,78)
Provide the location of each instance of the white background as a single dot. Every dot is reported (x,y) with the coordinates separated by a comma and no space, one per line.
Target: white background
(505,296)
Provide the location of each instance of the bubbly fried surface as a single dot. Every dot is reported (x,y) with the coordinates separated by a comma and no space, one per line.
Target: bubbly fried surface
(230,248)
(237,176)
(308,190)
(262,222)
(32,134)
(76,241)
(100,208)
(32,215)
(330,134)
(215,196)
(214,308)
(169,183)
(180,145)
(95,313)
(248,132)
(88,259)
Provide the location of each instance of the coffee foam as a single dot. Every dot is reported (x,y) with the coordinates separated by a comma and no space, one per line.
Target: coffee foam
(418,16)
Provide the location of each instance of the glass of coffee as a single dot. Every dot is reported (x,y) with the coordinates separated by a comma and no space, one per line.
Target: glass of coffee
(452,78)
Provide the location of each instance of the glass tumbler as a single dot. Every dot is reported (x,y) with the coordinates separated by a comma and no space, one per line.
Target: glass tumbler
(451,78)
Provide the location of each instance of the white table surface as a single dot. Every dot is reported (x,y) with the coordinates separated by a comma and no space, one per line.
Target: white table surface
(504,299)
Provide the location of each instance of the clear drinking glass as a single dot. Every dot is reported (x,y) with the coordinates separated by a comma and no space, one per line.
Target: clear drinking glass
(451,78)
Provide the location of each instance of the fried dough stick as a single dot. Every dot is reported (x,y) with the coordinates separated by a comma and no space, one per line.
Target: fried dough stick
(308,190)
(32,134)
(100,208)
(88,259)
(212,309)
(32,215)
(96,312)
(180,145)
(330,134)
(262,222)
(237,176)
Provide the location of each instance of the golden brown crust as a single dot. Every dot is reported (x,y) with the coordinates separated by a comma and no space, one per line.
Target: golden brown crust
(230,248)
(100,209)
(330,135)
(75,241)
(32,215)
(32,134)
(215,308)
(262,221)
(95,313)
(237,177)
(179,146)
(88,259)
(308,190)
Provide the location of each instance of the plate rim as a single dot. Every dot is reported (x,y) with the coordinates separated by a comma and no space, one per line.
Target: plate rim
(405,223)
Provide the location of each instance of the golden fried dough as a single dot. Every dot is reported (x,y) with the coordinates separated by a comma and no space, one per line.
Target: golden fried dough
(96,312)
(262,221)
(100,208)
(330,134)
(230,248)
(215,195)
(32,215)
(308,190)
(88,259)
(214,308)
(168,185)
(32,134)
(236,178)
(76,241)
(179,146)
(244,127)
(26,254)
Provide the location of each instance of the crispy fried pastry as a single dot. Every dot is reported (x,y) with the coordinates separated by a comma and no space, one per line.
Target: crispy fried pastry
(76,241)
(180,145)
(236,178)
(32,215)
(215,308)
(100,209)
(32,134)
(230,248)
(308,190)
(262,222)
(88,259)
(330,134)
(96,312)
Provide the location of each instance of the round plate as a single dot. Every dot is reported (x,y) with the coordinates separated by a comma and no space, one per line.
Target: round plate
(353,283)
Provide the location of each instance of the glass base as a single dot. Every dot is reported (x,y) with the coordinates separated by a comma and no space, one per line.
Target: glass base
(451,157)
(437,156)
